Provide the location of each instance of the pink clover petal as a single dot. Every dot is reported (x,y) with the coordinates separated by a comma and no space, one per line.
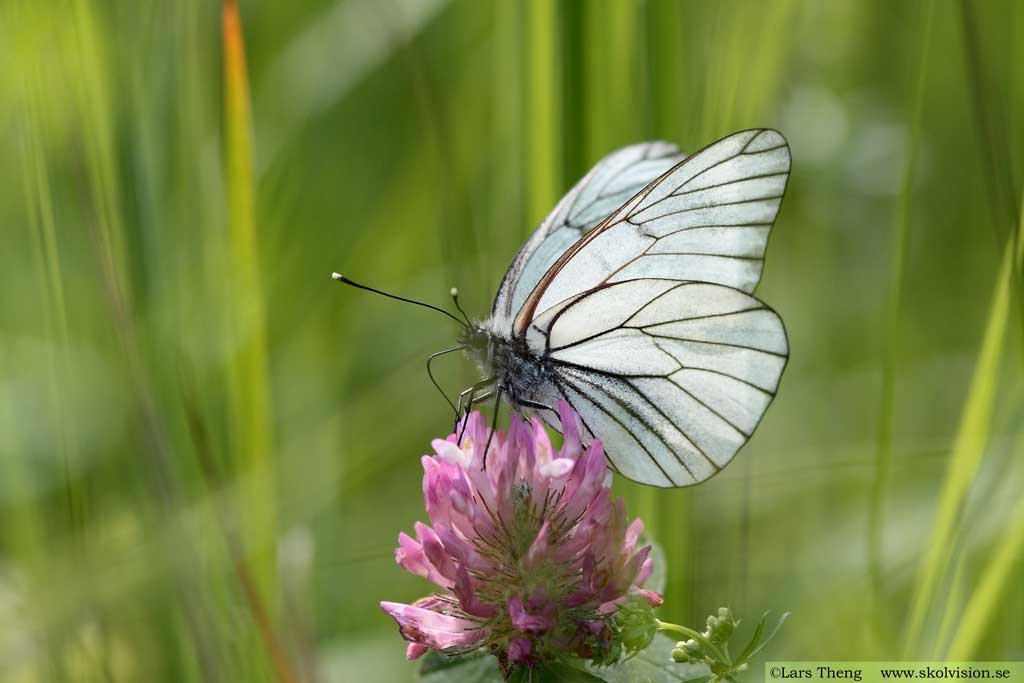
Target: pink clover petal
(435,552)
(524,622)
(597,464)
(612,606)
(460,550)
(653,598)
(464,592)
(519,650)
(632,569)
(434,630)
(450,453)
(545,452)
(540,602)
(539,548)
(525,443)
(474,437)
(572,428)
(632,535)
(557,468)
(646,569)
(578,598)
(586,479)
(431,602)
(410,556)
(415,651)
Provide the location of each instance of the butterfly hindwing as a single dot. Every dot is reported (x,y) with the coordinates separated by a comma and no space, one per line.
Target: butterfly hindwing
(672,376)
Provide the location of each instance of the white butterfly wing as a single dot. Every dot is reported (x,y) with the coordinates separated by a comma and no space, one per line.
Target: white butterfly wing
(707,220)
(613,180)
(673,377)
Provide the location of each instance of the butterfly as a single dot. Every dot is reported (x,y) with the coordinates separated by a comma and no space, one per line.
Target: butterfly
(633,301)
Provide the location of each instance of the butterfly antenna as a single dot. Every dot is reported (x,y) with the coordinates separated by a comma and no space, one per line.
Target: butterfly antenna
(458,306)
(341,278)
(434,381)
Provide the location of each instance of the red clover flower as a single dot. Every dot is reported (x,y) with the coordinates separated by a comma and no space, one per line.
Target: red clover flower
(532,558)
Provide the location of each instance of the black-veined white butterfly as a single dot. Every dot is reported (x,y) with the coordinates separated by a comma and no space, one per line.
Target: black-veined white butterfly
(633,302)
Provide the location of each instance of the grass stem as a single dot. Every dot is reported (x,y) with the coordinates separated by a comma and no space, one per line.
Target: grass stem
(893,314)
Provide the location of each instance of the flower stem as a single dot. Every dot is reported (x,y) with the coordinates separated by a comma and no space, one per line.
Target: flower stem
(699,637)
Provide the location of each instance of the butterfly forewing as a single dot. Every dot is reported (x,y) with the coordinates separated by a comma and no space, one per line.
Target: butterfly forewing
(614,180)
(707,219)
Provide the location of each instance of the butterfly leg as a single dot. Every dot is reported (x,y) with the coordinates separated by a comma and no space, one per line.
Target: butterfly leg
(466,398)
(536,405)
(494,424)
(458,407)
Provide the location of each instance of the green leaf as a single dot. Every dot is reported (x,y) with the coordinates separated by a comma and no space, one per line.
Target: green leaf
(554,672)
(764,643)
(478,667)
(653,665)
(754,640)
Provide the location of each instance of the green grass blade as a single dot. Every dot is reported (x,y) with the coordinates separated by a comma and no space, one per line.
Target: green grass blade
(667,116)
(883,453)
(968,449)
(251,435)
(984,602)
(544,108)
(986,599)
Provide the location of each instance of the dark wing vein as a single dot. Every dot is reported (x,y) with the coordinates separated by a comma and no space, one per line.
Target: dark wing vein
(697,208)
(659,375)
(714,343)
(626,429)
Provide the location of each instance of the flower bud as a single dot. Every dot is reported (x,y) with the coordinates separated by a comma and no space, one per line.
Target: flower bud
(688,652)
(694,649)
(724,629)
(721,627)
(720,668)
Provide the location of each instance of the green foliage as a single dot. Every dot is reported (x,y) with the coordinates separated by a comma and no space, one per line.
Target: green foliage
(652,665)
(711,646)
(478,667)
(636,626)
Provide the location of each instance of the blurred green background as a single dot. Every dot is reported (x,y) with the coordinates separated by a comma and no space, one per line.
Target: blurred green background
(207,448)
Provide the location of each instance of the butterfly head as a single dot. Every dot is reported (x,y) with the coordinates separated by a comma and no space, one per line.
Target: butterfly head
(518,372)
(479,345)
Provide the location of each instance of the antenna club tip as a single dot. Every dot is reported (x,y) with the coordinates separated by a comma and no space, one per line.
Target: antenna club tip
(455,292)
(337,276)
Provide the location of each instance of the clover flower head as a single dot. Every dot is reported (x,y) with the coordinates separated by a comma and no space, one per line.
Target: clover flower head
(531,556)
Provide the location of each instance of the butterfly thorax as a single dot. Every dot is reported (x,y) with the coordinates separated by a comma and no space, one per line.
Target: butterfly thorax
(516,371)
